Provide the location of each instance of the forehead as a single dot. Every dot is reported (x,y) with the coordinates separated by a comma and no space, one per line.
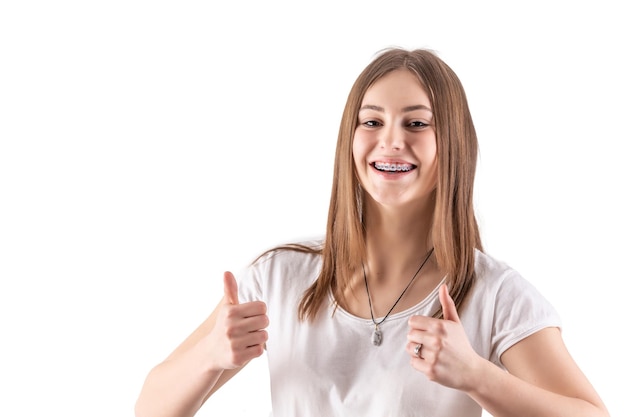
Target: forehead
(398,88)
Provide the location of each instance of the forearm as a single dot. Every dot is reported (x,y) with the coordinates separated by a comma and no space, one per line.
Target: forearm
(177,387)
(505,395)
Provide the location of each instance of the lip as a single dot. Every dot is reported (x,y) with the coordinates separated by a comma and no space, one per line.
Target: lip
(390,161)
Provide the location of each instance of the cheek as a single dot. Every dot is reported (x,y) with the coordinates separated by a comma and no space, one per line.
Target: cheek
(428,152)
(359,156)
(359,150)
(433,156)
(433,169)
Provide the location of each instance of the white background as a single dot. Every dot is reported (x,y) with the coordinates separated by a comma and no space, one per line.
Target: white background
(147,146)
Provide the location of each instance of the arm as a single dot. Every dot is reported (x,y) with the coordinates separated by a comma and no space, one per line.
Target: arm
(219,348)
(542,379)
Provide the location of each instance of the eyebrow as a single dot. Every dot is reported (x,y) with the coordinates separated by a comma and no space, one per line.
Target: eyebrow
(405,109)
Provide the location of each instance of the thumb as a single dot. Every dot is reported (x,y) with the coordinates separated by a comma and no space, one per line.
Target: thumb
(230,288)
(447,305)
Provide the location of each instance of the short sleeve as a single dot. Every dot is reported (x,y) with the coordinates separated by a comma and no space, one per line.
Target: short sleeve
(520,310)
(249,284)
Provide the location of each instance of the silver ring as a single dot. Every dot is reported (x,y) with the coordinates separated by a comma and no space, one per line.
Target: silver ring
(416,350)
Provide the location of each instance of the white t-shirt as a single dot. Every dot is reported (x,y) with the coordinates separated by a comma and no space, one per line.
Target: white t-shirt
(329,367)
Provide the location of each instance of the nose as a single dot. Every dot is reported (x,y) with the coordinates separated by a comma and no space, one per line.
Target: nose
(391,139)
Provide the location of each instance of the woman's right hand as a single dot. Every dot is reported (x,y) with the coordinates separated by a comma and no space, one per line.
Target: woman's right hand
(239,333)
(213,353)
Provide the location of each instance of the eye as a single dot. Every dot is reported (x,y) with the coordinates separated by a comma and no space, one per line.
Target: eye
(416,124)
(371,123)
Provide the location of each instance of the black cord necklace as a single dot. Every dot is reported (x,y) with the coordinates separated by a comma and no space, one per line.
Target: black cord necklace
(377,335)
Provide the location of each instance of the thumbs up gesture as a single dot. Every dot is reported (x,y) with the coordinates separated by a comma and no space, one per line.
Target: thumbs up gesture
(445,354)
(239,333)
(231,292)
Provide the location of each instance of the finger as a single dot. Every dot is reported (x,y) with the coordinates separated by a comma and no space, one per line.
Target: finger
(447,305)
(412,348)
(254,323)
(230,288)
(418,322)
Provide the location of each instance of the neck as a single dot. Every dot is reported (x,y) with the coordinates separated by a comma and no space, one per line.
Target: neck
(396,239)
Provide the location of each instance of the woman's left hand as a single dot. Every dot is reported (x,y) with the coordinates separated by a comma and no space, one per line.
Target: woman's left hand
(446,355)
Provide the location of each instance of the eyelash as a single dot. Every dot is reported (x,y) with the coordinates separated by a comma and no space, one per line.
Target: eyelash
(415,124)
(371,123)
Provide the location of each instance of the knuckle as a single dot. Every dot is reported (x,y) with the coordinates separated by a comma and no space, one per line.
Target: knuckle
(257,350)
(230,332)
(259,307)
(439,328)
(264,336)
(436,345)
(230,313)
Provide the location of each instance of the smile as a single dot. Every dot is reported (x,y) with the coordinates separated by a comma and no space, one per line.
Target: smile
(393,167)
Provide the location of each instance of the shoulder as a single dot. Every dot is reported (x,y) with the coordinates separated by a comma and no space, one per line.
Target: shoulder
(283,270)
(298,254)
(508,296)
(487,266)
(512,305)
(497,275)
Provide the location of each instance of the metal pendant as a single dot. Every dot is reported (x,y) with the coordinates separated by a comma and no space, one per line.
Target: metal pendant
(377,337)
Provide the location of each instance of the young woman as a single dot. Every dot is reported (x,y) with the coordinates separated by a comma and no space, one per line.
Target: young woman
(397,311)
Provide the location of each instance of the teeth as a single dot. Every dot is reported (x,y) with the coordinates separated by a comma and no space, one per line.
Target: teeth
(392,167)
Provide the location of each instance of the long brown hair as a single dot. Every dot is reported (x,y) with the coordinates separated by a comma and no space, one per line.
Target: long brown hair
(454,231)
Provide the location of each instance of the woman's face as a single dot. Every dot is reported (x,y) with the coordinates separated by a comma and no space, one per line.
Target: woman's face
(394,148)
